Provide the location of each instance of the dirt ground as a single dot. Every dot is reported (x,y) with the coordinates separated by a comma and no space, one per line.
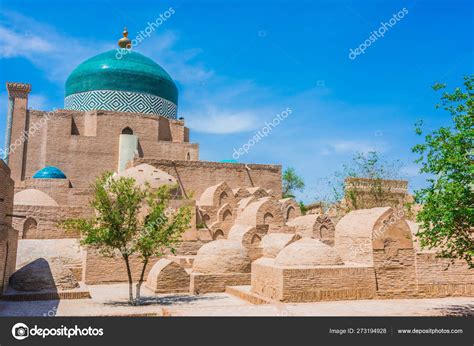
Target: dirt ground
(111,300)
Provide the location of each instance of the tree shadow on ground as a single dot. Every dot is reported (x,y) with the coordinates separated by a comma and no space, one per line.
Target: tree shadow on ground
(166,300)
(457,310)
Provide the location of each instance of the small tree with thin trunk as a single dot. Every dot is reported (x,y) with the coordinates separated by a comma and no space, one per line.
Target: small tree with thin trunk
(160,230)
(130,219)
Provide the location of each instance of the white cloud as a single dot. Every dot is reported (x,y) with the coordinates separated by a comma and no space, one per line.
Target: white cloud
(207,100)
(351,146)
(44,46)
(18,44)
(181,65)
(222,121)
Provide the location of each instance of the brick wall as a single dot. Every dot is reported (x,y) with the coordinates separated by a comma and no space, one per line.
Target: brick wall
(440,277)
(85,144)
(100,269)
(46,219)
(396,274)
(197,176)
(8,236)
(57,189)
(312,284)
(207,283)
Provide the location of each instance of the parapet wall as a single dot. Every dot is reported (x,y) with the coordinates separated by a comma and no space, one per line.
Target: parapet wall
(197,176)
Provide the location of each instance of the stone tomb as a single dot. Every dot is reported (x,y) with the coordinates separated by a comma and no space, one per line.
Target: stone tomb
(309,270)
(167,276)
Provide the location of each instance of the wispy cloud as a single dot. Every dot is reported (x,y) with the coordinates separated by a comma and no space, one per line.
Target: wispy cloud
(182,65)
(223,121)
(22,44)
(353,146)
(207,99)
(43,45)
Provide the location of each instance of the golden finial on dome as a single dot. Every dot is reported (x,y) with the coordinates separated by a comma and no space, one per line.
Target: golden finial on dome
(125,42)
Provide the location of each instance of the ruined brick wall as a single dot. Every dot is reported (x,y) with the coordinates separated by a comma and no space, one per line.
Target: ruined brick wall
(439,277)
(394,260)
(364,193)
(8,236)
(197,176)
(395,274)
(42,222)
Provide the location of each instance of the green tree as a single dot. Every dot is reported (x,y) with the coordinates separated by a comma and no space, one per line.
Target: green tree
(291,183)
(447,214)
(130,220)
(161,230)
(371,166)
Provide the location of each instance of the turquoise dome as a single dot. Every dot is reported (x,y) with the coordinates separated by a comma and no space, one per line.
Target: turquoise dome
(122,80)
(49,172)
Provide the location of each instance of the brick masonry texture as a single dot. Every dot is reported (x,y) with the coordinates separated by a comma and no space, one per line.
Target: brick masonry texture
(8,236)
(197,176)
(97,268)
(42,222)
(312,284)
(206,283)
(85,144)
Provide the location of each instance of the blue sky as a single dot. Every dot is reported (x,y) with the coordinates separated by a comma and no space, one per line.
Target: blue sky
(240,63)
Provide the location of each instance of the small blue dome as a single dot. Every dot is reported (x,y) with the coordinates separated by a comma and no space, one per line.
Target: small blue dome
(49,172)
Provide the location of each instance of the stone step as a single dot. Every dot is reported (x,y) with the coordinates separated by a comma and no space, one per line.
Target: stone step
(244,293)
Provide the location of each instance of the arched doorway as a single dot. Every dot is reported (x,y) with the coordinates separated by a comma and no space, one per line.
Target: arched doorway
(29,228)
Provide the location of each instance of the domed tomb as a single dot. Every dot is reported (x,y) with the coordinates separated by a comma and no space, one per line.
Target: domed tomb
(308,252)
(33,197)
(222,256)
